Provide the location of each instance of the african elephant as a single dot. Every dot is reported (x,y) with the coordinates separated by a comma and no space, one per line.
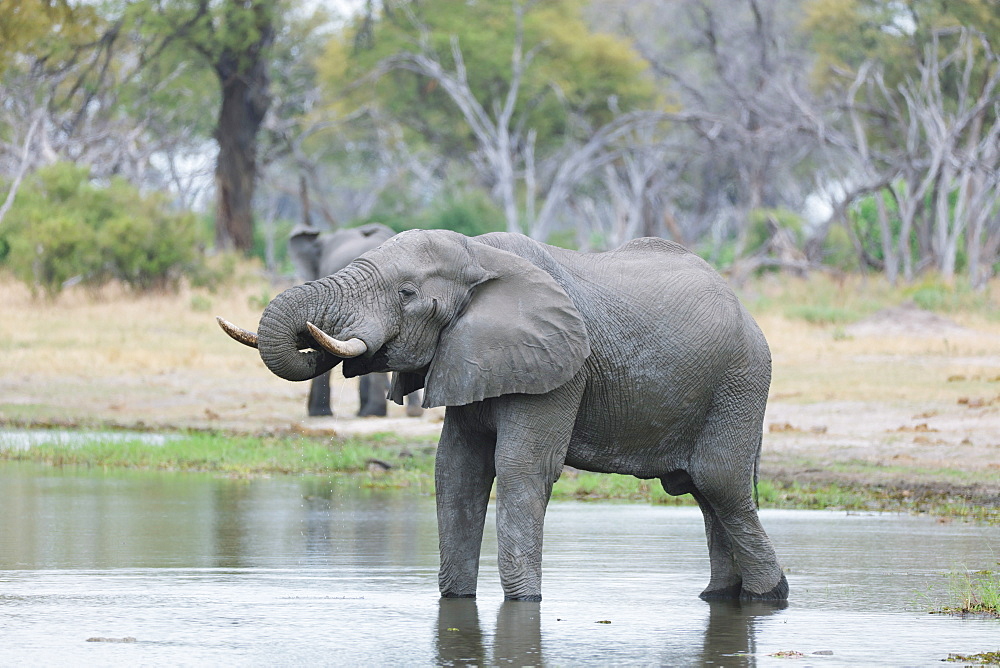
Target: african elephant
(315,255)
(639,361)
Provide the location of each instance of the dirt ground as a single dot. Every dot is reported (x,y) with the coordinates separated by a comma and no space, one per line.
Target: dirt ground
(904,398)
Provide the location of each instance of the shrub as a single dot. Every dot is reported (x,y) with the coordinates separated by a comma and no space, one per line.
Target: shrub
(64,227)
(838,251)
(932,293)
(464,210)
(759,229)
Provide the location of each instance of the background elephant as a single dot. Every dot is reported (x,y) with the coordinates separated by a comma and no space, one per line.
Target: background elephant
(638,361)
(315,255)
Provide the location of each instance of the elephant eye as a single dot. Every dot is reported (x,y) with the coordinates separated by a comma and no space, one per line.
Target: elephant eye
(407,292)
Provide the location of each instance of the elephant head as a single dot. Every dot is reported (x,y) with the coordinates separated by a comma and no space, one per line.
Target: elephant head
(316,254)
(457,316)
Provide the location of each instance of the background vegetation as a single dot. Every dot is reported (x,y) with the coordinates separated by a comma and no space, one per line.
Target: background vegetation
(790,134)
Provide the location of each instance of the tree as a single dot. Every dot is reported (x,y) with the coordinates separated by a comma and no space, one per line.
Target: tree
(921,80)
(233,38)
(37,38)
(47,28)
(524,91)
(743,132)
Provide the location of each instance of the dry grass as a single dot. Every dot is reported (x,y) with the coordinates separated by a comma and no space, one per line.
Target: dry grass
(822,354)
(158,359)
(819,363)
(111,331)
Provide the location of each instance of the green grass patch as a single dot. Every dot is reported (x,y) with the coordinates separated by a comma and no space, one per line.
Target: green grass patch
(587,486)
(387,460)
(824,300)
(822,314)
(230,454)
(981,659)
(974,592)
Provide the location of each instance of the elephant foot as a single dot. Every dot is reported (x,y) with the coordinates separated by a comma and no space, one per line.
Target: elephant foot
(730,593)
(320,412)
(458,595)
(779,593)
(371,412)
(528,599)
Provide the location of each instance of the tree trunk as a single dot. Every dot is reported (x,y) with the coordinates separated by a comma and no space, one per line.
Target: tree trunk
(245,100)
(888,248)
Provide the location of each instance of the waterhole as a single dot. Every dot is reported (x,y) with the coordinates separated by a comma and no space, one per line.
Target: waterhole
(171,569)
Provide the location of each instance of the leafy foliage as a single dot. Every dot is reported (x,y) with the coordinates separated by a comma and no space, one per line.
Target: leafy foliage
(573,68)
(468,211)
(62,227)
(49,29)
(846,33)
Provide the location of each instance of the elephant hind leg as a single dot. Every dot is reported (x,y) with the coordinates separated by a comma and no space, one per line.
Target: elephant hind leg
(739,547)
(413,401)
(722,469)
(727,580)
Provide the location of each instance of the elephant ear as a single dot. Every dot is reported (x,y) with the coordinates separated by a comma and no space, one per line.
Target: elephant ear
(304,249)
(520,333)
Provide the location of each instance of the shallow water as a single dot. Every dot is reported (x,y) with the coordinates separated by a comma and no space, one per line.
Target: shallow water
(288,571)
(22,439)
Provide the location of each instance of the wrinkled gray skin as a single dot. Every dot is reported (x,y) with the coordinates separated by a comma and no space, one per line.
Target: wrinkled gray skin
(315,255)
(638,361)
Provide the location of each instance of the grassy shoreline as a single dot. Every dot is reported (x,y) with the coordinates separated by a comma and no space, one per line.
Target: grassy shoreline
(388,460)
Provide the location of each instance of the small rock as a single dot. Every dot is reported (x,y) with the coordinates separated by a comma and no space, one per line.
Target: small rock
(378,466)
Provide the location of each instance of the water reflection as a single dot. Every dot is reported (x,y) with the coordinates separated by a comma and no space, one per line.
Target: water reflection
(731,630)
(81,518)
(728,639)
(459,637)
(517,639)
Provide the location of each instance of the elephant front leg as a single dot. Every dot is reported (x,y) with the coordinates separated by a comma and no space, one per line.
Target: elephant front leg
(319,396)
(533,434)
(463,476)
(413,404)
(371,395)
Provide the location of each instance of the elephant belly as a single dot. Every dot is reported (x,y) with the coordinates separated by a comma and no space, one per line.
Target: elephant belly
(628,434)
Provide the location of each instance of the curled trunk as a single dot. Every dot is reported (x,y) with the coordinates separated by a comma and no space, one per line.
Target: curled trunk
(284,341)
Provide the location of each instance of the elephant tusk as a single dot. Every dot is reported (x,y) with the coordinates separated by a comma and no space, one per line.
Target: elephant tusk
(244,336)
(350,348)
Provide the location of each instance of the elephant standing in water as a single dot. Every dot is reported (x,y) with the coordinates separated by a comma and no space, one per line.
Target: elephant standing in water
(638,361)
(317,255)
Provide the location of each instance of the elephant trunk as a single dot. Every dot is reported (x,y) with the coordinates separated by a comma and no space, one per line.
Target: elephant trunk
(283,338)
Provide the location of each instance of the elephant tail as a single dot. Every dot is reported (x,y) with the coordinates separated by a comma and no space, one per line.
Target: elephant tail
(756,472)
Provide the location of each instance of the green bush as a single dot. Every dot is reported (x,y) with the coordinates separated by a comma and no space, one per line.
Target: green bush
(838,251)
(64,227)
(564,239)
(472,214)
(465,210)
(759,230)
(933,294)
